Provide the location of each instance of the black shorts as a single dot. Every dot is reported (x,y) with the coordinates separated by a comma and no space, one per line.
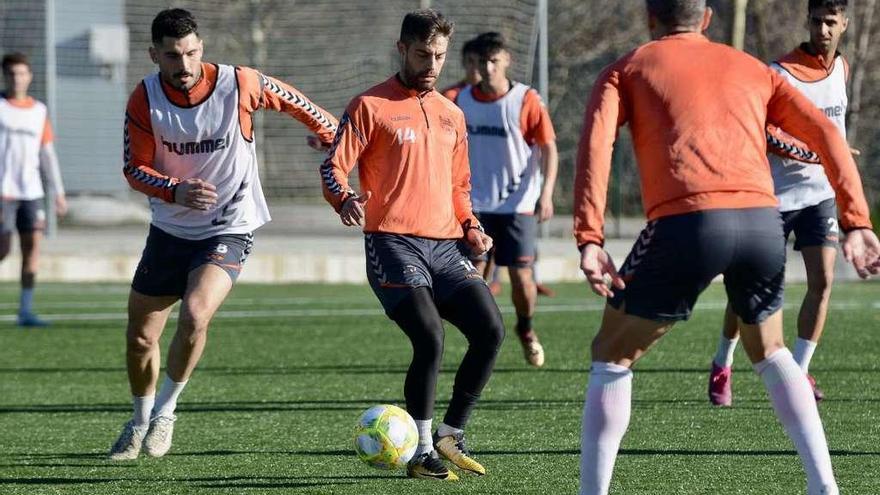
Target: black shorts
(167,260)
(398,263)
(813,226)
(513,236)
(25,215)
(676,257)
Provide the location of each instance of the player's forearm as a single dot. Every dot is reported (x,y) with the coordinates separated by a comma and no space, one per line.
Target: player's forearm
(50,171)
(284,98)
(150,182)
(549,168)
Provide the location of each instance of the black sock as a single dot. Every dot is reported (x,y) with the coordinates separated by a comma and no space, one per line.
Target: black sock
(524,327)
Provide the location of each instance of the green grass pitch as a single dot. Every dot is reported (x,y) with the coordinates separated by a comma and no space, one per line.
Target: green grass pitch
(288,369)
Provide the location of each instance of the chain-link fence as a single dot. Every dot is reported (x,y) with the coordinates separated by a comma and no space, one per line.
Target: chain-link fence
(334,49)
(330,49)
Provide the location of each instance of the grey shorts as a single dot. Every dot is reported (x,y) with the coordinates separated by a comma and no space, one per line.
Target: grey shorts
(514,238)
(167,260)
(398,263)
(676,257)
(813,226)
(23,215)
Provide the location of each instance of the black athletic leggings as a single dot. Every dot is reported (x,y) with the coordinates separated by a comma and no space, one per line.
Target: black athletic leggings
(471,309)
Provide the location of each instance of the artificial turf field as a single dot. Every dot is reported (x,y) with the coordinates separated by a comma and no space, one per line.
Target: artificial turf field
(288,369)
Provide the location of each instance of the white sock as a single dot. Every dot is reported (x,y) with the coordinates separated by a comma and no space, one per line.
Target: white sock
(795,406)
(142,408)
(444,430)
(724,355)
(166,401)
(803,353)
(426,443)
(605,420)
(26,301)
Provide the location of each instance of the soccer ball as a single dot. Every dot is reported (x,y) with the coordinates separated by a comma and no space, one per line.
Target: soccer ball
(385,437)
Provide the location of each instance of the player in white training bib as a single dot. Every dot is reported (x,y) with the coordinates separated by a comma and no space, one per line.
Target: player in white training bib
(189,146)
(27,158)
(806,198)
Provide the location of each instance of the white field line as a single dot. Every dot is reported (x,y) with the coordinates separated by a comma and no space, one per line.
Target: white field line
(376,311)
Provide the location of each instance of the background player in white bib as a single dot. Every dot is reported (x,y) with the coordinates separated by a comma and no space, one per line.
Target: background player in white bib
(189,146)
(806,198)
(27,158)
(512,150)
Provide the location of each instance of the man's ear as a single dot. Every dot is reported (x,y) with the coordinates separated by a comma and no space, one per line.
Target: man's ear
(707,19)
(154,55)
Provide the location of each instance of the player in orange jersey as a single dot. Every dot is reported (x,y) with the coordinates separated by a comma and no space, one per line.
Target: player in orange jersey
(697,112)
(410,146)
(189,146)
(27,158)
(806,198)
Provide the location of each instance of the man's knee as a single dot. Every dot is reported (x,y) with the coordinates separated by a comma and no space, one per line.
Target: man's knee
(820,287)
(140,342)
(194,319)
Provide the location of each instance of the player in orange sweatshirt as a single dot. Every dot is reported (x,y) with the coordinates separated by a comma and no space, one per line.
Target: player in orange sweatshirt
(410,146)
(697,111)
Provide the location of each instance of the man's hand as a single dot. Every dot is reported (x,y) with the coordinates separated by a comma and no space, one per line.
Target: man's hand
(544,209)
(196,194)
(862,249)
(316,144)
(478,241)
(596,264)
(60,205)
(352,212)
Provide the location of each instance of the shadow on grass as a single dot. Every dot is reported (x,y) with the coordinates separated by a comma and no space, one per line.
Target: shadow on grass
(210,482)
(676,452)
(361,404)
(398,369)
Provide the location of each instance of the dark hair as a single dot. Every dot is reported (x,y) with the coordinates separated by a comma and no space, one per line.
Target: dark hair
(489,43)
(425,25)
(15,58)
(677,12)
(836,6)
(174,23)
(470,46)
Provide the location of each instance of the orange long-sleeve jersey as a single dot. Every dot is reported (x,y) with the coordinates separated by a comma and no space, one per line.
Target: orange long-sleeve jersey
(411,152)
(256,91)
(697,111)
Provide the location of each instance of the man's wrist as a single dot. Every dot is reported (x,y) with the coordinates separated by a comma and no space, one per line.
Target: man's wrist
(470,224)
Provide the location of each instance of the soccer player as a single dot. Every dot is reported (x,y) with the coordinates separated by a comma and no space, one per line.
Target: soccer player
(806,198)
(27,157)
(512,147)
(410,146)
(189,146)
(697,112)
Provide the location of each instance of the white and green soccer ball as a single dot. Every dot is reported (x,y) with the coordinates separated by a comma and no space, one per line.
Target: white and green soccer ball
(385,437)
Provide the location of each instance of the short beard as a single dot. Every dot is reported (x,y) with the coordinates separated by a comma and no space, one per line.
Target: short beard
(412,80)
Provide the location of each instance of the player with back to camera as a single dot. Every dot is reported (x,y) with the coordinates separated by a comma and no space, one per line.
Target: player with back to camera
(806,198)
(189,146)
(410,146)
(27,158)
(700,144)
(512,149)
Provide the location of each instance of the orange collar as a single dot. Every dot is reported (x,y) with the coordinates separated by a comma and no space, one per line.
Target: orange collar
(484,97)
(198,93)
(805,66)
(27,102)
